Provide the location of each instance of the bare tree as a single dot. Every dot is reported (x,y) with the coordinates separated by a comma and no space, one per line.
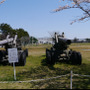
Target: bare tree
(84,5)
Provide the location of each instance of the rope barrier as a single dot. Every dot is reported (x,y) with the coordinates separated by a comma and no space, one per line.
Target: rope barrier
(71,74)
(34,80)
(81,75)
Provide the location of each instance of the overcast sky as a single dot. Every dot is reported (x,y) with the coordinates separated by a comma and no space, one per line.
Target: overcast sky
(36,17)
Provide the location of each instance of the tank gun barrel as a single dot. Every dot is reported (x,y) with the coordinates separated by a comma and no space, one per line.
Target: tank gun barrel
(9,40)
(60,38)
(6,41)
(67,41)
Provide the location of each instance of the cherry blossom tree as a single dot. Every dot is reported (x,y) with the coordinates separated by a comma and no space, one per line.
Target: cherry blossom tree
(2,1)
(84,5)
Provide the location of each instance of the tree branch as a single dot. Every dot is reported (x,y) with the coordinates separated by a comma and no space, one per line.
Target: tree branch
(81,4)
(2,1)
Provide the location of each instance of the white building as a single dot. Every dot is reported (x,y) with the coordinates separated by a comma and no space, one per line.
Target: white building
(45,40)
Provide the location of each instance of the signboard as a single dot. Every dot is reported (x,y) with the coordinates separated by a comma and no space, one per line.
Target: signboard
(12,58)
(12,55)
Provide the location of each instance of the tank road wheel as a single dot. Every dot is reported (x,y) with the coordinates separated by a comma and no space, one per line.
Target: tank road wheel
(1,55)
(79,57)
(73,58)
(22,59)
(48,56)
(52,57)
(26,52)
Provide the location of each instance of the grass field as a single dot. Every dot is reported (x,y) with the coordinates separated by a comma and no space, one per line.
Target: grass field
(36,68)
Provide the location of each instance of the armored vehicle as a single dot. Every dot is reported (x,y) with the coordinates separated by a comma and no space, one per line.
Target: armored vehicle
(12,42)
(60,51)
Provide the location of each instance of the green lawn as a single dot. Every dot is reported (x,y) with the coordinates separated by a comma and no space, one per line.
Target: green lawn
(36,68)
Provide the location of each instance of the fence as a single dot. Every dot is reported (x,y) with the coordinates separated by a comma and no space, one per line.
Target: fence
(71,74)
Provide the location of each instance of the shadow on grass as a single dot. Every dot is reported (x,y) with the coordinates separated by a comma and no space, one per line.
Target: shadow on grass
(50,66)
(44,63)
(42,72)
(62,68)
(84,69)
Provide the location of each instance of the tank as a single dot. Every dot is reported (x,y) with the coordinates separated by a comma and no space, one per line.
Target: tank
(12,42)
(60,51)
